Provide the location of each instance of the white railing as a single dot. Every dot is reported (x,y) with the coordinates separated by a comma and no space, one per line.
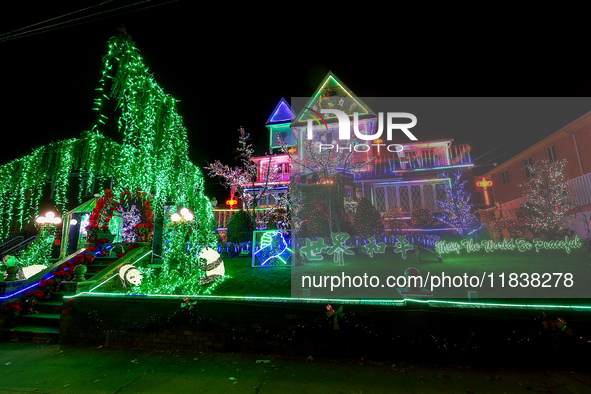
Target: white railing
(581,189)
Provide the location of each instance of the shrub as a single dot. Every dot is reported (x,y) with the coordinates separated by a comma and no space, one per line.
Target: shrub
(393,219)
(240,227)
(318,219)
(367,220)
(421,217)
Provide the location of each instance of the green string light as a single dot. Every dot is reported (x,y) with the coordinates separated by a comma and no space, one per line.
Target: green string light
(152,154)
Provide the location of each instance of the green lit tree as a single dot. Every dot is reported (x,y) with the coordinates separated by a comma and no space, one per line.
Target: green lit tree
(147,149)
(39,251)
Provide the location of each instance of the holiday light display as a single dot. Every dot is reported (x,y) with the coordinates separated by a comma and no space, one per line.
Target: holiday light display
(367,220)
(485,184)
(518,244)
(315,249)
(241,179)
(456,207)
(39,251)
(272,248)
(181,272)
(152,155)
(548,198)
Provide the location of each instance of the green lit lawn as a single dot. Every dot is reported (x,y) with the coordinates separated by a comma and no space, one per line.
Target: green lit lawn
(276,281)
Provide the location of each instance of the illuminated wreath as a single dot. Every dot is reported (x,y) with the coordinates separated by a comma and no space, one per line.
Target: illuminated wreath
(107,205)
(102,213)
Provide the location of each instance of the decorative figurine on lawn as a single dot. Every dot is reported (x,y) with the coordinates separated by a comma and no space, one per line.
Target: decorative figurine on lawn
(130,276)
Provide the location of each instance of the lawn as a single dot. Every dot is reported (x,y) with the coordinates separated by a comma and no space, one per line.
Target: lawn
(541,275)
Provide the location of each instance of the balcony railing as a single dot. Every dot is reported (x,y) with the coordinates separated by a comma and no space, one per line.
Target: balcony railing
(390,163)
(285,176)
(222,216)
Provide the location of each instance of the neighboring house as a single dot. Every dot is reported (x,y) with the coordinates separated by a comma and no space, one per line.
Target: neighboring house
(573,143)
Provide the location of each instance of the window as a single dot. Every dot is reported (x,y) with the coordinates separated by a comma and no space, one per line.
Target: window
(527,168)
(505,177)
(551,153)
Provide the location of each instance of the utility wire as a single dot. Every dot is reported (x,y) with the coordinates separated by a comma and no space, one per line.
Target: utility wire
(58,26)
(51,19)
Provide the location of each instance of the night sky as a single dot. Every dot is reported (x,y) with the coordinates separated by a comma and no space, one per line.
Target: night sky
(230,66)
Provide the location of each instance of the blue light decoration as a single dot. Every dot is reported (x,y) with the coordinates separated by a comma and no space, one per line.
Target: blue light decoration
(272,248)
(279,125)
(281,113)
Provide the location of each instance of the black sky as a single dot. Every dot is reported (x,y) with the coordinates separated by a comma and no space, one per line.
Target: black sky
(230,66)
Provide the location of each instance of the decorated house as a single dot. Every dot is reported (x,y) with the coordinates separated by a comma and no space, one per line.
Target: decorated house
(406,177)
(276,168)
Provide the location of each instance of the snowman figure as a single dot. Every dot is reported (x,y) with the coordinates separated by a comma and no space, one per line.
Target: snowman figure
(213,265)
(130,276)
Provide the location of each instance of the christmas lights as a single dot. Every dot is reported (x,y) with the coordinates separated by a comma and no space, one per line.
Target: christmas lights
(456,207)
(152,154)
(548,197)
(518,244)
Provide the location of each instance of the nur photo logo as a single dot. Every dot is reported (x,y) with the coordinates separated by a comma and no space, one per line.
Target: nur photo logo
(392,123)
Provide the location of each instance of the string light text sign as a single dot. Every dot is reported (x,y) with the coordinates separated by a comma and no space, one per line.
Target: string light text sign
(519,244)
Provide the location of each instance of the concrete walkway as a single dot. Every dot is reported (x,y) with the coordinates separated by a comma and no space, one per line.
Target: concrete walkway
(50,368)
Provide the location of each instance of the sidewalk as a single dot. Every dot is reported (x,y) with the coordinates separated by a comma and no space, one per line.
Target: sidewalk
(50,368)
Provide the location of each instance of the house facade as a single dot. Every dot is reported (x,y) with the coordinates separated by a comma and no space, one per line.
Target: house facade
(406,176)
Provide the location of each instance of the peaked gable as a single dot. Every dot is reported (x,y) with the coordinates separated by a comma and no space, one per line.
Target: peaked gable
(282,113)
(333,94)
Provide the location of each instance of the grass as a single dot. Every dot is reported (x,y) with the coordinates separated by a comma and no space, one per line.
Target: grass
(246,280)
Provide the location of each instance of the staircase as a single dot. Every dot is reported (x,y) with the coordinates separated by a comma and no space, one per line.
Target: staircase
(43,326)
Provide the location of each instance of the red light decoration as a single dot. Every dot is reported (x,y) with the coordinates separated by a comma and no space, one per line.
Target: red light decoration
(484,184)
(231,203)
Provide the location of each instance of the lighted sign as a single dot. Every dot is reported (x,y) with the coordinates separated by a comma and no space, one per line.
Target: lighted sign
(519,244)
(231,203)
(272,248)
(313,250)
(485,184)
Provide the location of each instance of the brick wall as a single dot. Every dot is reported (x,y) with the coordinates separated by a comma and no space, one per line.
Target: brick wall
(565,148)
(303,329)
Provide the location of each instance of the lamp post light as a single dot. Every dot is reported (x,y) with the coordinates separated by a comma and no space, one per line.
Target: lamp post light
(49,218)
(184,215)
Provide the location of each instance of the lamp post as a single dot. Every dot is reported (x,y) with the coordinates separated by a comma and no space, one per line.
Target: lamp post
(48,219)
(184,215)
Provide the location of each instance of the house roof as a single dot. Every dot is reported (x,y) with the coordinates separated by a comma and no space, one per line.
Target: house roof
(282,113)
(332,93)
(542,143)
